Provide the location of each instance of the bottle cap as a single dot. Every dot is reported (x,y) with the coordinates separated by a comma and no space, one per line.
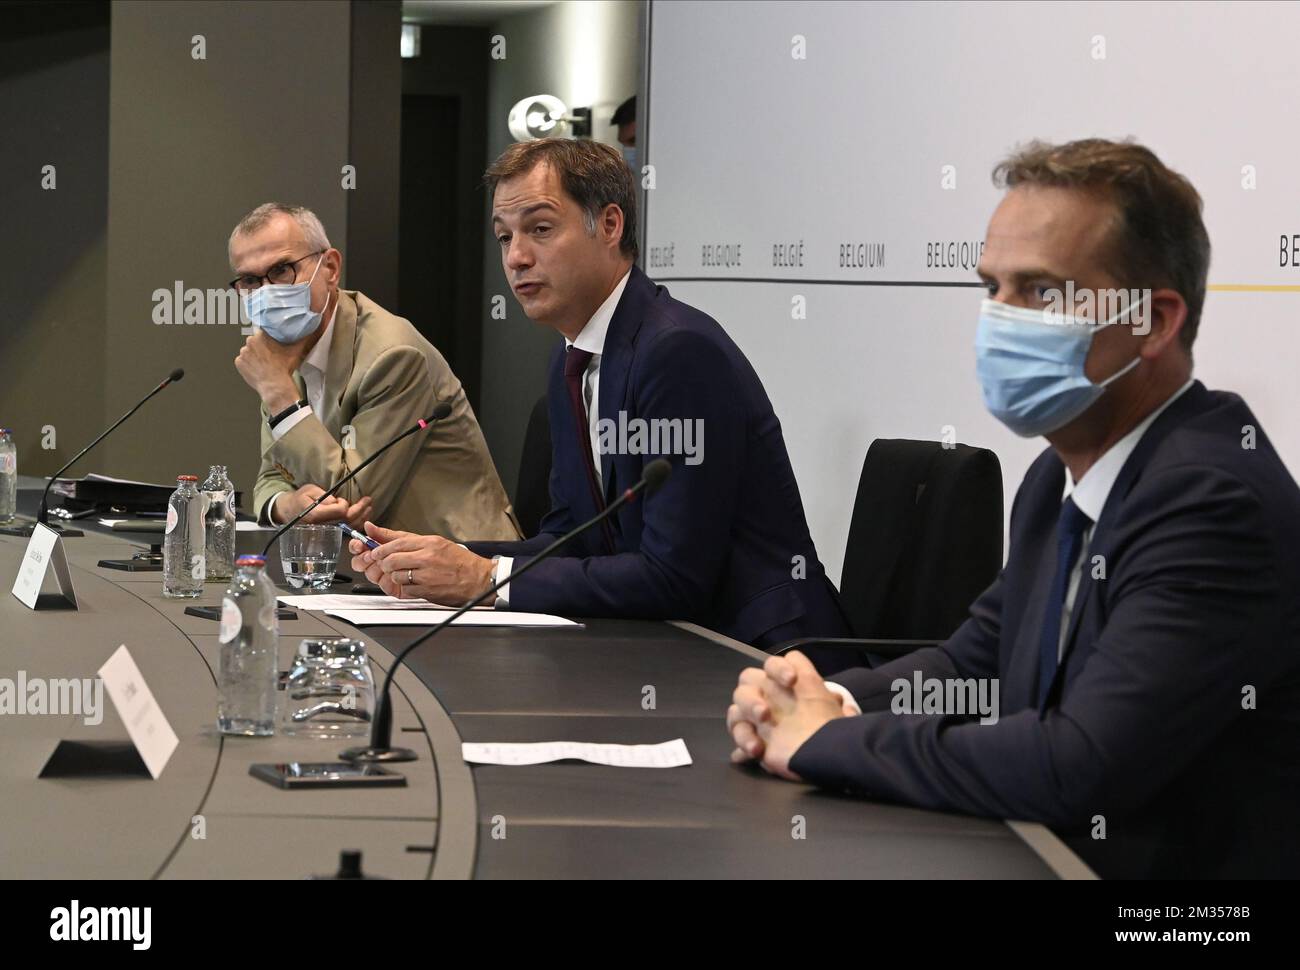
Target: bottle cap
(187,478)
(250,561)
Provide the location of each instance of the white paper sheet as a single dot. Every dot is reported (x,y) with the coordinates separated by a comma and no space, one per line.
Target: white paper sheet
(434,617)
(321,602)
(669,754)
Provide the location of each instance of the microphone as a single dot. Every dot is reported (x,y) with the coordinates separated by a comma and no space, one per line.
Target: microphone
(43,515)
(381,734)
(440,411)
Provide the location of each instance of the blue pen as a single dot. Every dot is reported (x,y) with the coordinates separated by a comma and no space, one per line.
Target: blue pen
(368,542)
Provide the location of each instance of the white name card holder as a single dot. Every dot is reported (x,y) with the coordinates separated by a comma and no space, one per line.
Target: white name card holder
(152,739)
(45,554)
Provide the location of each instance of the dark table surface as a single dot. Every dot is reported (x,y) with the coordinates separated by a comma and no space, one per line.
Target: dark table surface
(622,681)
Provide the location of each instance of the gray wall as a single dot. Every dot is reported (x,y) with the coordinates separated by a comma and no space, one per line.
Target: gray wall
(193,145)
(53,111)
(375,125)
(585,54)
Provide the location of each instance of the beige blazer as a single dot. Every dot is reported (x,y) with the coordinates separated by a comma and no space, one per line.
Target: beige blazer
(382,377)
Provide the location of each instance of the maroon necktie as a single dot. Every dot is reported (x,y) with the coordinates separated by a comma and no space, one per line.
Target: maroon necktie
(575,366)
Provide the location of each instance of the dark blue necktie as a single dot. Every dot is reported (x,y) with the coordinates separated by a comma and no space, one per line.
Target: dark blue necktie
(1069,537)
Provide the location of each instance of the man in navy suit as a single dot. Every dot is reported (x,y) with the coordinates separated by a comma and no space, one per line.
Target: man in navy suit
(1145,632)
(724,542)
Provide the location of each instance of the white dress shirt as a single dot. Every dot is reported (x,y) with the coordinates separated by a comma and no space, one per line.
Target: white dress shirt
(1089,494)
(591,339)
(313,370)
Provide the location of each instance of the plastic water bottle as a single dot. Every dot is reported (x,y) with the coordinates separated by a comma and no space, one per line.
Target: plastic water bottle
(218,524)
(8,477)
(247,670)
(183,547)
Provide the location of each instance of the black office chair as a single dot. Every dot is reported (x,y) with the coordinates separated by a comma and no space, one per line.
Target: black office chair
(924,542)
(533,491)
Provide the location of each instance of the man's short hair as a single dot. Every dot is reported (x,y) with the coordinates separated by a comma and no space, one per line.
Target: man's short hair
(307,220)
(593,174)
(1160,238)
(625,113)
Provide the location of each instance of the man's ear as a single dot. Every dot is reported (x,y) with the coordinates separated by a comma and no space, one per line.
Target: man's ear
(334,265)
(611,224)
(1164,315)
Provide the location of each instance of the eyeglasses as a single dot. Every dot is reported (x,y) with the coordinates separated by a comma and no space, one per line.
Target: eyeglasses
(277,275)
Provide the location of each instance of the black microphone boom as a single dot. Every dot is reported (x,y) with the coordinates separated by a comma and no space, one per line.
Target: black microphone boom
(43,515)
(440,411)
(381,734)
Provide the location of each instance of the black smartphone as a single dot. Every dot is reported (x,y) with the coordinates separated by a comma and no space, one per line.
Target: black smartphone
(327,774)
(214,612)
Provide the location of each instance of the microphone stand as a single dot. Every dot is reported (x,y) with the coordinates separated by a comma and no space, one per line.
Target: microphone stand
(380,748)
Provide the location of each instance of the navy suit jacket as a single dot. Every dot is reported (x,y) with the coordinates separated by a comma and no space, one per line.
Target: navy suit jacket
(1174,717)
(724,543)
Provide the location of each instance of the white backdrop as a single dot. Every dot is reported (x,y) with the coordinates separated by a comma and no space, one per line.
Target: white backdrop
(851,145)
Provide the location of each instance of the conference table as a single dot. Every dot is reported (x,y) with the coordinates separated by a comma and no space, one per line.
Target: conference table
(620,681)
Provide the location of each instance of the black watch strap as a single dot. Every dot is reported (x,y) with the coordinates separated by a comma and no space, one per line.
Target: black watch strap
(277,418)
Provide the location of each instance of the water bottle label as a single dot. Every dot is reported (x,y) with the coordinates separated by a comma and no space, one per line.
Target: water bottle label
(229,620)
(172,518)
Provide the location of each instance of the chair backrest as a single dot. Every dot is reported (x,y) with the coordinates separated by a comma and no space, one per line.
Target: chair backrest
(533,491)
(925,540)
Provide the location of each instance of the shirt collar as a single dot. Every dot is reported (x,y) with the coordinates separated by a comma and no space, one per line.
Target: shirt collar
(592,337)
(1091,491)
(319,357)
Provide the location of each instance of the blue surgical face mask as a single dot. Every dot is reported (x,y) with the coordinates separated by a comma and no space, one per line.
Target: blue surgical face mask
(283,310)
(1031,366)
(629,156)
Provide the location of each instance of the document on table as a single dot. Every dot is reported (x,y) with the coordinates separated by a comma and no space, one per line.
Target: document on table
(435,616)
(321,602)
(669,754)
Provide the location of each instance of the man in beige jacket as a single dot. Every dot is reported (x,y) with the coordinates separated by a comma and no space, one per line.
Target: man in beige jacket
(339,377)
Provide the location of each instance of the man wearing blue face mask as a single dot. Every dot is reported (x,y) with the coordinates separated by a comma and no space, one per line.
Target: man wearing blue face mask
(1145,632)
(339,377)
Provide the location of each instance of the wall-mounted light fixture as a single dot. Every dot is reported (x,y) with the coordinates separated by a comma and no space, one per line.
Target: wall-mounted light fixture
(545,116)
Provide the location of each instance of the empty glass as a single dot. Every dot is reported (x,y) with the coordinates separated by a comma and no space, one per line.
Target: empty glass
(310,555)
(330,692)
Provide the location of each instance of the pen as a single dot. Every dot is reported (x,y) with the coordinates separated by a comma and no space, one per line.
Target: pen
(368,542)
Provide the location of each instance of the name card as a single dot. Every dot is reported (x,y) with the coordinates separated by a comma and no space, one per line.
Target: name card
(44,550)
(150,732)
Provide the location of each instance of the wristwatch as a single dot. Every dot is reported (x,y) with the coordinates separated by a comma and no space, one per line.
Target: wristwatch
(496,564)
(275,419)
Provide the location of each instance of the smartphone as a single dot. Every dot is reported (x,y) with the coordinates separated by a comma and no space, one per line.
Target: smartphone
(327,774)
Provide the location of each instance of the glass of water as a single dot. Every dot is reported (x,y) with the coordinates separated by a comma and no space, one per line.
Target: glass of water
(310,555)
(330,691)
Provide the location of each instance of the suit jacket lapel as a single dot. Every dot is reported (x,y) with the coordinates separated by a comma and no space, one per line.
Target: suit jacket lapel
(616,361)
(1174,415)
(338,370)
(1022,663)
